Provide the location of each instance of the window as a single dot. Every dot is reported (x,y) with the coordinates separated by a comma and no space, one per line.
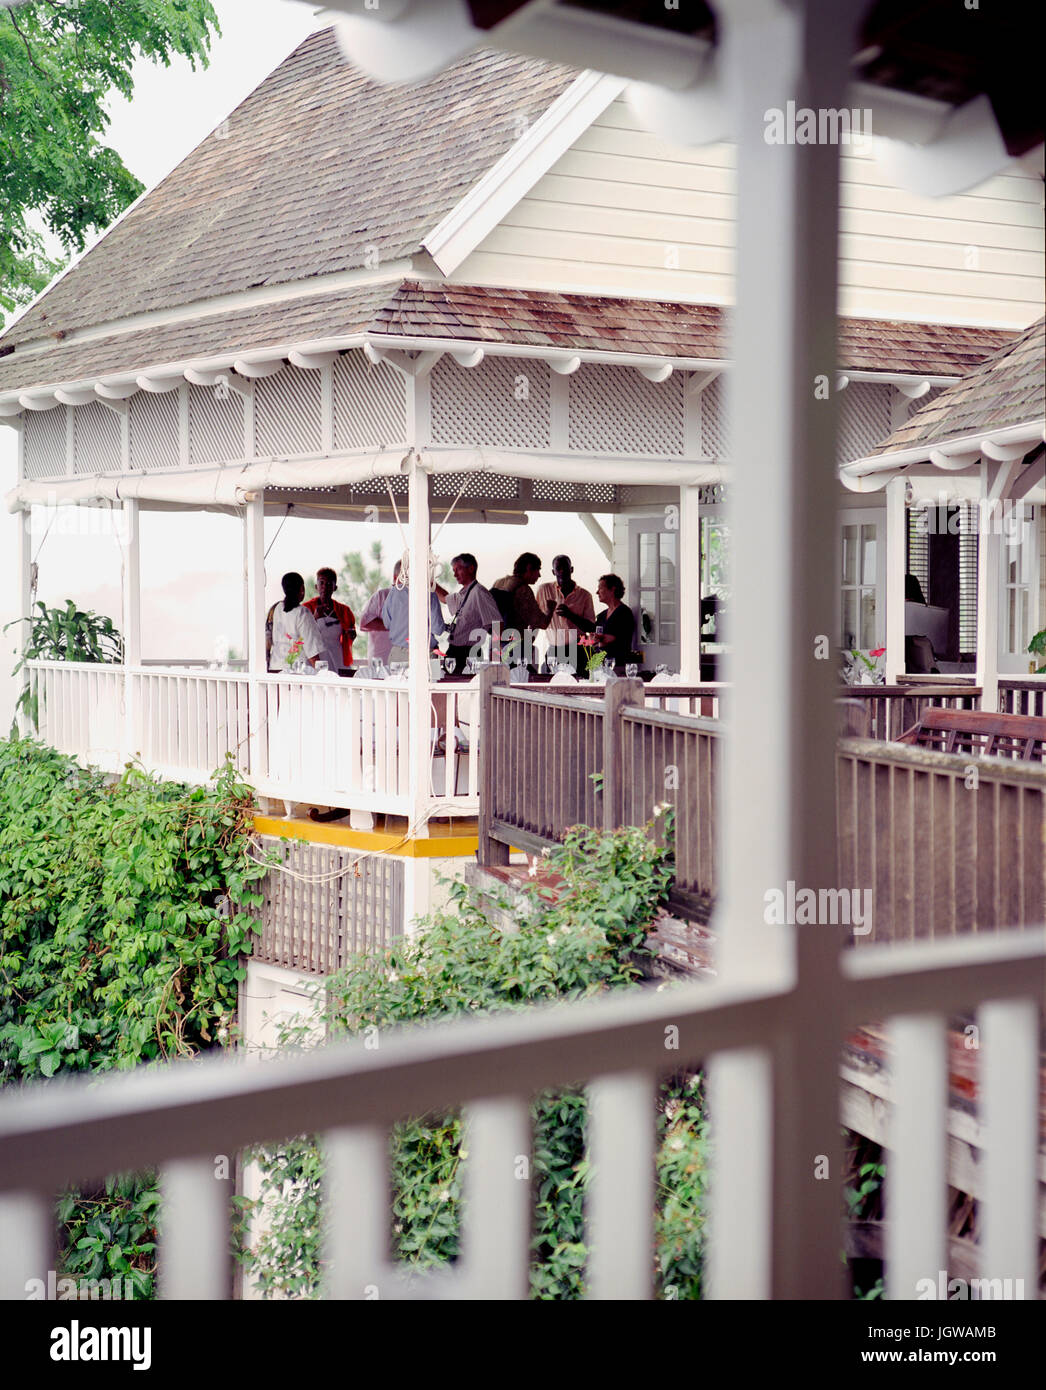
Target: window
(859,621)
(1020,586)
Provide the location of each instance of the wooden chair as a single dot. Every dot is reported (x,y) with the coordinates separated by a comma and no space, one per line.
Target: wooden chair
(980,733)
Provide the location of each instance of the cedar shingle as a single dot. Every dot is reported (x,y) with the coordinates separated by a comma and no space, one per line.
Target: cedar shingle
(1007,388)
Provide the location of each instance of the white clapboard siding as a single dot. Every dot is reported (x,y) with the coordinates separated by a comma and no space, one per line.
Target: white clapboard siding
(623,212)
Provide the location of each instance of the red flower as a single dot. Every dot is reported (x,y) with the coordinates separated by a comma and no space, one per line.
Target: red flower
(878,651)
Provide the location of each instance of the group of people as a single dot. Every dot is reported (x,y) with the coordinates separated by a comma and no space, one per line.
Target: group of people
(506,617)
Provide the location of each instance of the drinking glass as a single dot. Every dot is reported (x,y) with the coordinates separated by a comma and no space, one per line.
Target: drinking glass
(631,669)
(322,666)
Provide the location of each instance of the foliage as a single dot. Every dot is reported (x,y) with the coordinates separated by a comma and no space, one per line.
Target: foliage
(65,634)
(124,906)
(1037,647)
(59,63)
(586,942)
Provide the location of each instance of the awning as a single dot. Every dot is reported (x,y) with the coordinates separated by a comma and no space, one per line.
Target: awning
(208,488)
(228,488)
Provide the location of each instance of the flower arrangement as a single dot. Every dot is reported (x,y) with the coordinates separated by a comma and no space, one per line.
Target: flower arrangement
(866,667)
(295,653)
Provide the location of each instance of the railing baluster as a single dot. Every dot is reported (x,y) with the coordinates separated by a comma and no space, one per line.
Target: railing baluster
(194,1241)
(27,1242)
(740,1098)
(1009,1061)
(621,1188)
(916,1174)
(497,1198)
(357,1200)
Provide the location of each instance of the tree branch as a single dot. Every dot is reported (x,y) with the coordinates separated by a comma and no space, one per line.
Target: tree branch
(28,51)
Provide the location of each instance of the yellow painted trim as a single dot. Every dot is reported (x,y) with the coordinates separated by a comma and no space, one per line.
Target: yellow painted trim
(373,841)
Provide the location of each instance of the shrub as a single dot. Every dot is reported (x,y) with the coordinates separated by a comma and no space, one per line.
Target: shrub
(586,942)
(124,908)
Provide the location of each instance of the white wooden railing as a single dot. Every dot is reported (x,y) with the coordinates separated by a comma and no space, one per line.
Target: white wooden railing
(303,738)
(177,1119)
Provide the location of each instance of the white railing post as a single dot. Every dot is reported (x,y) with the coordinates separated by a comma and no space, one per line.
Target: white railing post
(25,605)
(690,583)
(989,563)
(916,1180)
(895,560)
(258,694)
(132,627)
(1009,1055)
(420,727)
(779,791)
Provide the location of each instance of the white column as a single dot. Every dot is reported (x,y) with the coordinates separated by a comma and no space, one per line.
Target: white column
(893,576)
(420,701)
(989,563)
(131,624)
(779,793)
(25,600)
(690,585)
(254,582)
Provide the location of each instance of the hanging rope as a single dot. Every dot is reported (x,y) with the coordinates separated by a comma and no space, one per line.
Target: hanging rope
(278,530)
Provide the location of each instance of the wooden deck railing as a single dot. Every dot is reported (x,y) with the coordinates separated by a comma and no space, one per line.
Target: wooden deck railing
(1022,695)
(891,709)
(946,844)
(886,710)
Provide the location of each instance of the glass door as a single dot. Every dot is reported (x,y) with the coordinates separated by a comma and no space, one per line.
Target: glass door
(860,579)
(1019,618)
(653,590)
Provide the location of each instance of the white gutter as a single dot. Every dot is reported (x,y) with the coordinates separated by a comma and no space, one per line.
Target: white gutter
(1032,432)
(43,396)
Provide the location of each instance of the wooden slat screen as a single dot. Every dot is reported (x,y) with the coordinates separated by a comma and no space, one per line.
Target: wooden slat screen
(328,905)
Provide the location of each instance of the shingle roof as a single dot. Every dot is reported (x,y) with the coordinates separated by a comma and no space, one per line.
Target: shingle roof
(304,319)
(1008,388)
(471,313)
(314,169)
(576,321)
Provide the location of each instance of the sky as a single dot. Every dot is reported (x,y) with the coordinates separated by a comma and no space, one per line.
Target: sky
(192,591)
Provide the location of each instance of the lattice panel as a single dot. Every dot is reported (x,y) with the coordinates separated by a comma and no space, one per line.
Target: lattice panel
(398,482)
(287,413)
(614,410)
(588,495)
(492,485)
(370,403)
(714,440)
(864,419)
(96,439)
(332,907)
(44,443)
(154,431)
(215,425)
(502,403)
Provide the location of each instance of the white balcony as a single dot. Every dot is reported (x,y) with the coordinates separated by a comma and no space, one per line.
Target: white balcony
(323,741)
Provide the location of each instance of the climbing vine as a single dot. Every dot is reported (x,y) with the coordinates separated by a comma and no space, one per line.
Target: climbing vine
(125,905)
